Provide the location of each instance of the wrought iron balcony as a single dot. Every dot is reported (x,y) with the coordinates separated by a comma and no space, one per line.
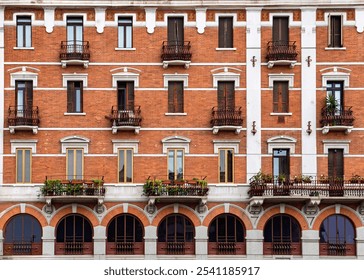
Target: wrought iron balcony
(75,53)
(226,119)
(337,248)
(281,53)
(176,53)
(338,119)
(176,191)
(73,190)
(125,248)
(128,119)
(74,248)
(23,248)
(282,248)
(176,248)
(23,118)
(227,248)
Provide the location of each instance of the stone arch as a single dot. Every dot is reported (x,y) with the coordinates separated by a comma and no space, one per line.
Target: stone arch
(133,210)
(86,212)
(190,214)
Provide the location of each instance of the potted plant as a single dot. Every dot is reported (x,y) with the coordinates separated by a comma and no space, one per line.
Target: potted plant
(355,179)
(331,104)
(51,187)
(281,178)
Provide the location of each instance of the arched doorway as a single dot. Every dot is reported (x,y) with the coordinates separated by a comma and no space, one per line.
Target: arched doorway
(23,235)
(176,236)
(282,236)
(226,236)
(125,236)
(74,236)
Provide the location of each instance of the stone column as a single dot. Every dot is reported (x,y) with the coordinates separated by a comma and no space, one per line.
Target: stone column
(49,241)
(201,241)
(310,244)
(100,242)
(254,244)
(150,243)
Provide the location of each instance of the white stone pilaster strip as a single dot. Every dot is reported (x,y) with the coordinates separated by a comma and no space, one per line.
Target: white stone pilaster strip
(48,241)
(359,20)
(201,20)
(201,241)
(150,19)
(308,91)
(360,243)
(49,19)
(253,90)
(100,241)
(1,243)
(150,242)
(310,244)
(254,244)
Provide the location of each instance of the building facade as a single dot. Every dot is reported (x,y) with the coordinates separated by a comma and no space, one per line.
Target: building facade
(188,129)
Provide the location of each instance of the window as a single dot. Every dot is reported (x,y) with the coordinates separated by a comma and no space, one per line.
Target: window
(126,96)
(336,164)
(24,98)
(226,95)
(74,164)
(23,32)
(23,165)
(125,32)
(337,236)
(175,164)
(335,31)
(335,95)
(175,31)
(74,30)
(74,96)
(175,97)
(280,97)
(225,32)
(281,164)
(226,165)
(125,169)
(280,31)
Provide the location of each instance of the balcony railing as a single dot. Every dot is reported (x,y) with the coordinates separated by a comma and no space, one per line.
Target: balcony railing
(337,248)
(281,53)
(125,248)
(339,117)
(175,188)
(23,118)
(227,248)
(75,50)
(74,248)
(282,248)
(176,53)
(125,119)
(23,248)
(226,119)
(73,187)
(323,188)
(176,248)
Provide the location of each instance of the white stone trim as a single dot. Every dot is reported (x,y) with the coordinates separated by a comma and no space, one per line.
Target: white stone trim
(225,74)
(74,114)
(281,114)
(125,144)
(49,18)
(281,77)
(150,19)
(335,75)
(336,144)
(24,75)
(75,77)
(23,144)
(201,19)
(174,142)
(175,77)
(100,19)
(125,76)
(24,48)
(326,21)
(281,14)
(359,20)
(282,142)
(226,144)
(74,142)
(225,49)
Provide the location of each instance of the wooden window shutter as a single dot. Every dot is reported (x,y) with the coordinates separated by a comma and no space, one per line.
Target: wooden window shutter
(81,97)
(281,29)
(225,32)
(175,32)
(226,95)
(280,97)
(70,97)
(285,98)
(175,97)
(179,95)
(336,163)
(336,31)
(130,95)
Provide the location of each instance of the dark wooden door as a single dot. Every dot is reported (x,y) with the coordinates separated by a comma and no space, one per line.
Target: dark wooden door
(175,31)
(280,30)
(336,172)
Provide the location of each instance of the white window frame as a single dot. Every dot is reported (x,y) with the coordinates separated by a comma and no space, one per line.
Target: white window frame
(282,142)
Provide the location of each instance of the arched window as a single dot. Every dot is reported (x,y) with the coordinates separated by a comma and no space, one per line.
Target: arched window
(74,236)
(282,236)
(337,236)
(125,236)
(23,235)
(226,236)
(176,236)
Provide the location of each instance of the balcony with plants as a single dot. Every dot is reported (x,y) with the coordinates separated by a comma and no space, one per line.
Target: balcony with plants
(176,53)
(75,53)
(281,53)
(335,117)
(129,119)
(265,187)
(23,118)
(226,119)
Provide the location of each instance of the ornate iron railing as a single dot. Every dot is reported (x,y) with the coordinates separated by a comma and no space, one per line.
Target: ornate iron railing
(337,248)
(75,50)
(281,50)
(226,117)
(130,117)
(21,115)
(23,248)
(282,248)
(337,117)
(175,188)
(176,50)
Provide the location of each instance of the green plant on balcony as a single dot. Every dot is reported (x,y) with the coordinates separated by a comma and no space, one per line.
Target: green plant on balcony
(356,179)
(152,187)
(302,179)
(98,182)
(262,177)
(51,187)
(281,178)
(331,104)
